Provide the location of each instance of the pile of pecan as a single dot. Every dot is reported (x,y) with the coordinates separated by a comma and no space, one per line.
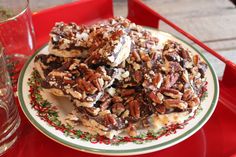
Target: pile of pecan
(119,76)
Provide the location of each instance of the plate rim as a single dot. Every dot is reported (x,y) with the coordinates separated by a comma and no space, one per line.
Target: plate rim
(134,151)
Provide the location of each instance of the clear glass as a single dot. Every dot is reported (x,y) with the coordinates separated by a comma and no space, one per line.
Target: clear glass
(9,116)
(16,28)
(18,40)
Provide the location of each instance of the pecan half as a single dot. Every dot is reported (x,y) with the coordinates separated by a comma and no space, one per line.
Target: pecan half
(175,103)
(127,92)
(157,80)
(160,108)
(166,83)
(134,108)
(196,59)
(110,120)
(157,98)
(173,93)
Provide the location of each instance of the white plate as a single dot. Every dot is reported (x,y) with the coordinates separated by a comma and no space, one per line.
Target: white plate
(208,106)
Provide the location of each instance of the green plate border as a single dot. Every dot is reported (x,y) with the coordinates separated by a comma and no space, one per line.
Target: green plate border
(120,152)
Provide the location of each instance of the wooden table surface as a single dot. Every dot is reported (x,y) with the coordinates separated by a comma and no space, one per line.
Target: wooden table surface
(211,21)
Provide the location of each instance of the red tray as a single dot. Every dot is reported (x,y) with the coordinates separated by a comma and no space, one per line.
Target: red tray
(218,136)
